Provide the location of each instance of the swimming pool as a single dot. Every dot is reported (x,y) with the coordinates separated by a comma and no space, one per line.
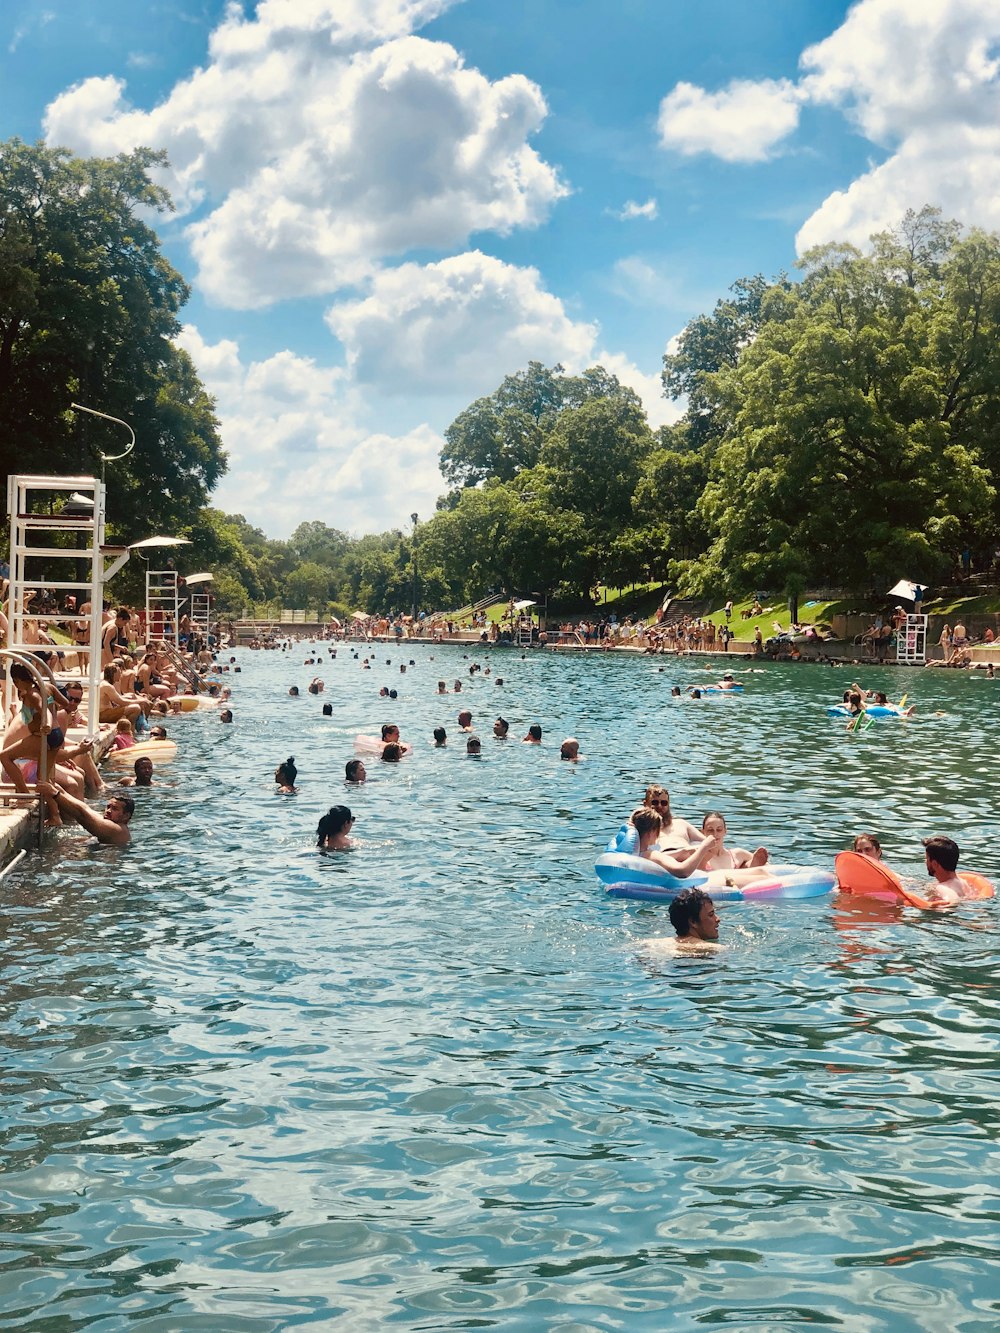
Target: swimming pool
(442,1082)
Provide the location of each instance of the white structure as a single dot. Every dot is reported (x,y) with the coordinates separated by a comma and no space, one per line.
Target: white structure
(57,546)
(911,641)
(200,613)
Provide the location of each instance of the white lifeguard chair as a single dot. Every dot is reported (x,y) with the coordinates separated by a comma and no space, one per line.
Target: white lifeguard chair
(200,613)
(57,546)
(911,641)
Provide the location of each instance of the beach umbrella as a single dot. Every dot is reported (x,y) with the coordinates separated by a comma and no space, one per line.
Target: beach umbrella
(907,588)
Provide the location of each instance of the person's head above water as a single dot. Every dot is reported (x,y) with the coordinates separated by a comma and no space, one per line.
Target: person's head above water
(328,710)
(693,916)
(473,745)
(143,769)
(465,718)
(390,732)
(392,752)
(866,844)
(570,749)
(286,773)
(354,771)
(500,728)
(294,691)
(334,826)
(440,737)
(941,852)
(534,734)
(647,823)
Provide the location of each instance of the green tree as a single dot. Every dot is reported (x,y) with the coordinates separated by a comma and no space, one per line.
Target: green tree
(307,586)
(841,460)
(88,311)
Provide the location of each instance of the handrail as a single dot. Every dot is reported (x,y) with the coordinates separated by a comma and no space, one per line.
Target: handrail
(33,664)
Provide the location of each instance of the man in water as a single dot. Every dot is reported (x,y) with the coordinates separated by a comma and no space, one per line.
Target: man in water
(570,749)
(693,917)
(143,774)
(941,858)
(111,827)
(500,728)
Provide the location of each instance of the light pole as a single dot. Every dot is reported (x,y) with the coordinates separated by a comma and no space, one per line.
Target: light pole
(414,518)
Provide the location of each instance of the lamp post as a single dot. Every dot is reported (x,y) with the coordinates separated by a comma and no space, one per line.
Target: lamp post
(414,518)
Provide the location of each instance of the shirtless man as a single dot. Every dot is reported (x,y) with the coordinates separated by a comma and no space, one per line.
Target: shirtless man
(110,828)
(694,918)
(676,833)
(941,859)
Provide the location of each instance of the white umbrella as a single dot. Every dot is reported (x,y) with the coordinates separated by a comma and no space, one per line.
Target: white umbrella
(906,588)
(198,578)
(159,541)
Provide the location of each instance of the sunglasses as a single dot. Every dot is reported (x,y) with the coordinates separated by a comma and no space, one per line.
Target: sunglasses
(658,802)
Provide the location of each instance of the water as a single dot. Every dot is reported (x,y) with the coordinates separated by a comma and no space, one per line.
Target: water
(441,1082)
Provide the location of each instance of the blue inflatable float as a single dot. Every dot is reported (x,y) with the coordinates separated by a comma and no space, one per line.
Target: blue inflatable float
(626,875)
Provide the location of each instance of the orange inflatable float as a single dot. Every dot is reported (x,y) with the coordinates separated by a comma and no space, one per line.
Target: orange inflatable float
(872,879)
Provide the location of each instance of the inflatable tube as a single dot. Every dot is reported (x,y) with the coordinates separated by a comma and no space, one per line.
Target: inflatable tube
(188,702)
(626,875)
(873,710)
(717,689)
(161,752)
(873,879)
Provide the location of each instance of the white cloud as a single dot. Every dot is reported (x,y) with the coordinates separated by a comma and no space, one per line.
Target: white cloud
(742,123)
(324,138)
(920,78)
(923,79)
(632,210)
(455,327)
(297,451)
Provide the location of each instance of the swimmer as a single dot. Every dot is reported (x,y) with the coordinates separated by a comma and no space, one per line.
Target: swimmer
(328,710)
(727,682)
(866,844)
(534,736)
(285,775)
(442,687)
(941,858)
(474,747)
(675,692)
(354,772)
(392,752)
(676,833)
(499,680)
(570,749)
(694,918)
(226,715)
(440,738)
(390,736)
(680,864)
(500,728)
(465,720)
(293,692)
(110,828)
(143,769)
(694,692)
(728,858)
(458,687)
(333,829)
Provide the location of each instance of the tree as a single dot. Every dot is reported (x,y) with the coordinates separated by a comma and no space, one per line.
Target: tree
(88,310)
(308,586)
(711,343)
(841,458)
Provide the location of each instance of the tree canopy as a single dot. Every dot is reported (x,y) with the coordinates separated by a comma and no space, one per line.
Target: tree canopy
(88,313)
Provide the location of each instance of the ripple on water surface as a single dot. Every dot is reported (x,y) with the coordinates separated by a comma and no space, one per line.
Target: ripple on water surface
(442,1082)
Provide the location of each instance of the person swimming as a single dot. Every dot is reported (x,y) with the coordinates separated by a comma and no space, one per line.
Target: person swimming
(728,858)
(866,844)
(285,775)
(333,829)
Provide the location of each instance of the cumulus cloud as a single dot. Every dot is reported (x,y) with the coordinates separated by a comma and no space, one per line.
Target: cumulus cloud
(919,78)
(296,448)
(632,210)
(924,81)
(454,326)
(323,137)
(741,123)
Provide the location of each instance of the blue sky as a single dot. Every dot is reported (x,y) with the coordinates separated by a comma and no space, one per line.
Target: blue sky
(384,206)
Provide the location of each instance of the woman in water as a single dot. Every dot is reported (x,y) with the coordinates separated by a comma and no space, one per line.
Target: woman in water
(728,858)
(866,844)
(680,864)
(285,775)
(333,830)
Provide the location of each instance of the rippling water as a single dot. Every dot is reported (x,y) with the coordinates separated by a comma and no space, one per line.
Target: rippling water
(441,1082)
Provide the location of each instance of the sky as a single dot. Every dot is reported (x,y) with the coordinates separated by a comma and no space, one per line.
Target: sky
(383,207)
